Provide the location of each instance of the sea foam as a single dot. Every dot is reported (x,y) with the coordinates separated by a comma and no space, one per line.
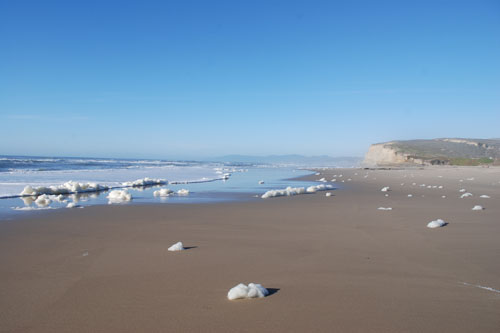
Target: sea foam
(253,290)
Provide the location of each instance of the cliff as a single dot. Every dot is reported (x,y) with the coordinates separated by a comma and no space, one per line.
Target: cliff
(444,151)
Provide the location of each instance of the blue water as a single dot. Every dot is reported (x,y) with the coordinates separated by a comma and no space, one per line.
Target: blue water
(243,183)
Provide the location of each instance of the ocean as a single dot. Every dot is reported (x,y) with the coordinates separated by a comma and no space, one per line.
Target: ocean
(30,183)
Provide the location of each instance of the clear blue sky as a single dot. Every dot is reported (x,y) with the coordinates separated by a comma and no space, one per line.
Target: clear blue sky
(187,79)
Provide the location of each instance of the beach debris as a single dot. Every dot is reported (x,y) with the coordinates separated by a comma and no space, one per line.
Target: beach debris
(385,189)
(261,182)
(145,182)
(465,195)
(164,192)
(384,208)
(477,207)
(253,290)
(176,247)
(118,196)
(183,192)
(436,224)
(484,196)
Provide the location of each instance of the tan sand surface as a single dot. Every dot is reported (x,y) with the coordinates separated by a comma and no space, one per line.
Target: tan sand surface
(334,264)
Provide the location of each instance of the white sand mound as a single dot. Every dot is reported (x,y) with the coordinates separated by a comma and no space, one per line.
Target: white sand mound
(66,188)
(384,208)
(328,194)
(164,192)
(119,196)
(436,224)
(253,290)
(484,196)
(183,192)
(176,247)
(465,195)
(385,189)
(477,207)
(145,182)
(289,191)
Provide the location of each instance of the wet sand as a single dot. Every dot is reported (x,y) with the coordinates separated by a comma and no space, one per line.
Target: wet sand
(332,263)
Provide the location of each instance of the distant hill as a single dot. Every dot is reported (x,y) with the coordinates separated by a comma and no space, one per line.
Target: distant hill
(295,160)
(444,151)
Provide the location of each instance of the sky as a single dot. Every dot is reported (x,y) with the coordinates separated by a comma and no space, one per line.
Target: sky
(193,79)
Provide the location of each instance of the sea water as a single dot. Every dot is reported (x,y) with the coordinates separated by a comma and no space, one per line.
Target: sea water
(207,182)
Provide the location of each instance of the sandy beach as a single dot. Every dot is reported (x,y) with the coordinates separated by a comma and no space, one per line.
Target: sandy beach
(332,264)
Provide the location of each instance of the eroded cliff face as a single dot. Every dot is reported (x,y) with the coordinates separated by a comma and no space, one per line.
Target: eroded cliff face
(383,154)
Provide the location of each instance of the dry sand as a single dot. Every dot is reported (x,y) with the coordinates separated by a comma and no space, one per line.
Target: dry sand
(334,264)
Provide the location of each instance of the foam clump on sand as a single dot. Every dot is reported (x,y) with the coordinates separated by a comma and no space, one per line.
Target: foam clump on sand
(119,196)
(253,290)
(385,189)
(164,192)
(465,195)
(384,208)
(145,182)
(176,247)
(315,188)
(289,191)
(477,207)
(410,195)
(43,201)
(66,188)
(484,196)
(71,205)
(436,224)
(183,191)
(328,194)
(322,180)
(462,190)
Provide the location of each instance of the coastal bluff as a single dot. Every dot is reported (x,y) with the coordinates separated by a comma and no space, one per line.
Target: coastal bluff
(443,151)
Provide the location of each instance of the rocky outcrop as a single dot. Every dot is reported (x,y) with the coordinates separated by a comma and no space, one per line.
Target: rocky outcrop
(447,151)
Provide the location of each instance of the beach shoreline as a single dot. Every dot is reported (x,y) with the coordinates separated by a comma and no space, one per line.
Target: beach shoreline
(333,263)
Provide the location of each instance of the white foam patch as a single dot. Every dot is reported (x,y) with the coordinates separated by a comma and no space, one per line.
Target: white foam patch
(261,182)
(462,190)
(43,200)
(322,180)
(443,196)
(176,247)
(484,196)
(289,191)
(481,287)
(384,208)
(316,188)
(183,192)
(145,182)
(66,188)
(410,195)
(477,207)
(31,208)
(436,224)
(164,192)
(328,194)
(71,205)
(119,196)
(253,290)
(385,189)
(465,195)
